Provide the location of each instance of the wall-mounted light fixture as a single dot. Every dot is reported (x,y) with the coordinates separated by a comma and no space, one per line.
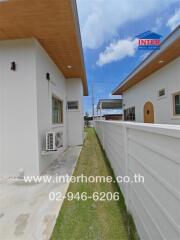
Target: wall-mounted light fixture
(69,66)
(13,66)
(161,61)
(48,76)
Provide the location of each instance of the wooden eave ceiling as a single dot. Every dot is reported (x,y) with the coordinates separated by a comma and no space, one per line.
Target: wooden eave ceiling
(54,24)
(170,53)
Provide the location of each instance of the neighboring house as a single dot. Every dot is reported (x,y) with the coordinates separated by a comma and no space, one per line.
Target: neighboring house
(151,93)
(109,104)
(42,83)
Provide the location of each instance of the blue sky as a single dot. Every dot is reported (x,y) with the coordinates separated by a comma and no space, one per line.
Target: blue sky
(108,29)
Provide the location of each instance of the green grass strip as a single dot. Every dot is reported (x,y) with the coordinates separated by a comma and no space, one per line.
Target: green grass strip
(89,220)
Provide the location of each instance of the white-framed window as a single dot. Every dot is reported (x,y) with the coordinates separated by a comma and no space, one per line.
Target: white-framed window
(57,110)
(72,105)
(176,104)
(129,114)
(161,93)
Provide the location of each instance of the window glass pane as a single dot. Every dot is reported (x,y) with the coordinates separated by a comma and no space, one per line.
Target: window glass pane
(177,104)
(177,99)
(57,110)
(161,92)
(177,109)
(129,114)
(72,105)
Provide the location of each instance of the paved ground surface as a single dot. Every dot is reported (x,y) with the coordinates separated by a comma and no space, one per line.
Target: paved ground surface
(25,210)
(90,220)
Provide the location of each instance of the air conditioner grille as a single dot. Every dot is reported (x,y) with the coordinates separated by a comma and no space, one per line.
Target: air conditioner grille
(53,141)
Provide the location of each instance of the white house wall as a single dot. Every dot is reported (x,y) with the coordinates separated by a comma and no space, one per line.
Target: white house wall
(18,115)
(45,90)
(147,90)
(26,108)
(75,117)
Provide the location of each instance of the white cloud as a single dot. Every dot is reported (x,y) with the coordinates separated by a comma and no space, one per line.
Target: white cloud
(100,20)
(174,21)
(158,24)
(117,51)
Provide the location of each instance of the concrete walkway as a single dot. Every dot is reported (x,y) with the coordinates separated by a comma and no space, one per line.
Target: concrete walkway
(26,213)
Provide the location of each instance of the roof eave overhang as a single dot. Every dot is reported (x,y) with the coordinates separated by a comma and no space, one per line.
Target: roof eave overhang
(109,104)
(54,24)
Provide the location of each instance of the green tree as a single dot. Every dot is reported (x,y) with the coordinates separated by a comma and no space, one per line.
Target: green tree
(86,119)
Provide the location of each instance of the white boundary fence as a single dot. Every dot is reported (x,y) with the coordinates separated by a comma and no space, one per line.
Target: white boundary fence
(153,151)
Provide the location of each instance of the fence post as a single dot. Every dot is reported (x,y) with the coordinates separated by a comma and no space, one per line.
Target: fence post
(126,163)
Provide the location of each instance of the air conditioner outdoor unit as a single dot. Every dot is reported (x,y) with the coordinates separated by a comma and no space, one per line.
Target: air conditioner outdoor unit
(53,141)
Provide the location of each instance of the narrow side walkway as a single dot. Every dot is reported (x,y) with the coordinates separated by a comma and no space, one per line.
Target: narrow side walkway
(26,213)
(89,220)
